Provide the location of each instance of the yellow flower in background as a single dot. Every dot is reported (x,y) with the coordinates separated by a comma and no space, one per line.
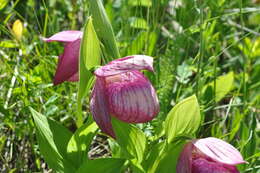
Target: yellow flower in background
(18,29)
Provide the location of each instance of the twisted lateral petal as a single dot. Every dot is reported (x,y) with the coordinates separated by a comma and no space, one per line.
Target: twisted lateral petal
(202,165)
(219,151)
(184,164)
(122,65)
(132,98)
(68,63)
(65,36)
(99,108)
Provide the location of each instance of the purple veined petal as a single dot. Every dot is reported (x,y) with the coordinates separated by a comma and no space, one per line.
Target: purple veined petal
(131,97)
(99,108)
(122,65)
(65,36)
(184,164)
(219,151)
(68,63)
(202,165)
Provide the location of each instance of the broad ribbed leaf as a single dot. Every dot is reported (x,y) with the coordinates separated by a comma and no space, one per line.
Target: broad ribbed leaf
(223,85)
(183,119)
(53,139)
(131,139)
(103,28)
(90,56)
(107,165)
(79,143)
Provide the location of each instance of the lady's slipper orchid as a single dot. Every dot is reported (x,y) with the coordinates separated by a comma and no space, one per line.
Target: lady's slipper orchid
(123,92)
(67,69)
(209,155)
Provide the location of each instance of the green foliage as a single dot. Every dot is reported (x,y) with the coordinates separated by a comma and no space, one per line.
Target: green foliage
(79,143)
(210,48)
(167,162)
(89,58)
(183,119)
(109,165)
(131,139)
(220,87)
(53,139)
(104,29)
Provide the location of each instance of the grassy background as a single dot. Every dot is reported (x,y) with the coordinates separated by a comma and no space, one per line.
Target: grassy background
(193,42)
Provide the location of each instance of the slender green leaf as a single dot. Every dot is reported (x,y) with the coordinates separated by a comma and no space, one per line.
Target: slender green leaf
(53,139)
(107,165)
(183,119)
(79,143)
(90,56)
(103,28)
(130,138)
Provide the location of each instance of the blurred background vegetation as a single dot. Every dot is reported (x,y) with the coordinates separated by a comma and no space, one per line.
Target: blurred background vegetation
(207,47)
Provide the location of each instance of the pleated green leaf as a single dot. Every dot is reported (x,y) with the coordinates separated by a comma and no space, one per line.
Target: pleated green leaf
(183,119)
(53,139)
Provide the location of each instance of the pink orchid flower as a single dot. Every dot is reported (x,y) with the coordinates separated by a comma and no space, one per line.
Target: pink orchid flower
(123,92)
(209,155)
(67,69)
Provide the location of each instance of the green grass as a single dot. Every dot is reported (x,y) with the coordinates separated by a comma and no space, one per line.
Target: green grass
(193,42)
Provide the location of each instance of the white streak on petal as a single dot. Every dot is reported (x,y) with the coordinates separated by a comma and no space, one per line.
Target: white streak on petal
(126,64)
(219,151)
(65,36)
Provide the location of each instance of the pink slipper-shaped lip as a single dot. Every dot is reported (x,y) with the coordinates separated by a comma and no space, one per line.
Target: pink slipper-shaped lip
(123,92)
(209,155)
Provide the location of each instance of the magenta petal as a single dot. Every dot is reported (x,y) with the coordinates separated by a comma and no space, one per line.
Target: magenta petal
(65,36)
(74,78)
(68,63)
(219,151)
(132,98)
(201,165)
(99,108)
(184,164)
(122,65)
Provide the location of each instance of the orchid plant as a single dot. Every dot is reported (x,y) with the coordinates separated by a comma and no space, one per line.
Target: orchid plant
(122,94)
